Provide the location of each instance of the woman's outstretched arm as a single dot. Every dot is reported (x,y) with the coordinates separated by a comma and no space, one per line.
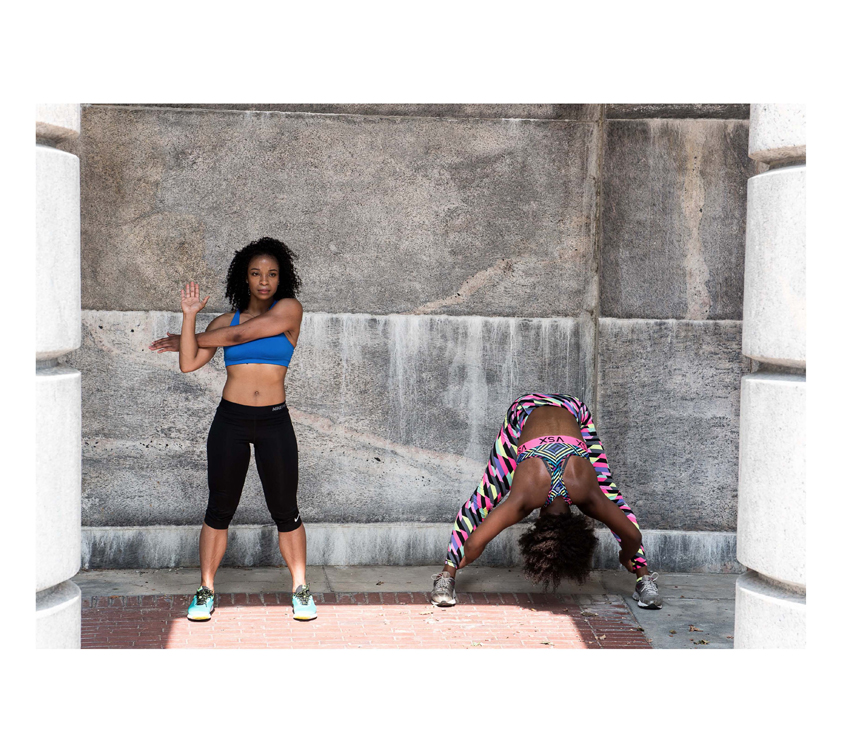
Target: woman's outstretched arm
(508,512)
(285,315)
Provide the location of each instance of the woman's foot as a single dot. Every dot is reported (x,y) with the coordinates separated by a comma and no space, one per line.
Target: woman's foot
(443,593)
(303,606)
(202,605)
(646,592)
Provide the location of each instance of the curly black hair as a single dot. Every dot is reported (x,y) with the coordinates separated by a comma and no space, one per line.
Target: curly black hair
(558,547)
(237,285)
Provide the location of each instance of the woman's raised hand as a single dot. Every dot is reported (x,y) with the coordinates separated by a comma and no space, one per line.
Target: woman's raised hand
(190,299)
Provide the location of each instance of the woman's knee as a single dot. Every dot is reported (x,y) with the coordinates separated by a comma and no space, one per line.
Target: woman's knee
(218,519)
(287,520)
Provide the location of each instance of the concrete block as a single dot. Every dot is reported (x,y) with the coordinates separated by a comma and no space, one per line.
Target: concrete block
(395,416)
(775,268)
(57,236)
(58,617)
(387,214)
(381,544)
(777,132)
(573,112)
(768,617)
(677,111)
(57,122)
(668,417)
(772,477)
(673,215)
(673,551)
(57,475)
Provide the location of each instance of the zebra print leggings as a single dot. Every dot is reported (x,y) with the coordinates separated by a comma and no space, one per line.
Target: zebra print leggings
(496,482)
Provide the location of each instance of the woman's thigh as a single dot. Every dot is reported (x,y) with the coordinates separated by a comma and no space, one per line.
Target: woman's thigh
(276,452)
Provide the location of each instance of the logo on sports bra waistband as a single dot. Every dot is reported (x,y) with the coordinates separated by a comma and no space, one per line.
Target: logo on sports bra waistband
(552,440)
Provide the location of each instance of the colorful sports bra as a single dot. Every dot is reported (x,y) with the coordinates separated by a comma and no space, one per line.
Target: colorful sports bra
(276,350)
(554,451)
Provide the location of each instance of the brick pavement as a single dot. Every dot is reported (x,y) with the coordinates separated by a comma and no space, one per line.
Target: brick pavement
(398,620)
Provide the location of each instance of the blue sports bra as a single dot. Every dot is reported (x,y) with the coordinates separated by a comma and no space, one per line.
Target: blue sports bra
(276,350)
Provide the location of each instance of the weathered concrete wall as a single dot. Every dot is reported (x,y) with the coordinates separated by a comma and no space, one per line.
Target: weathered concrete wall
(454,257)
(574,112)
(395,416)
(669,393)
(387,215)
(673,219)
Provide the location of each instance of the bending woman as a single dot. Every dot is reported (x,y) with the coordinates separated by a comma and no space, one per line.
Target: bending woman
(530,467)
(258,338)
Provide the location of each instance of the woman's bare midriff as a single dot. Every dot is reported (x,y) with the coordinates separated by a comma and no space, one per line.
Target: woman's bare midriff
(255,384)
(579,475)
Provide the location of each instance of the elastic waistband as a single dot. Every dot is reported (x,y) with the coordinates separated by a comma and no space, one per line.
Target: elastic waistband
(252,412)
(557,439)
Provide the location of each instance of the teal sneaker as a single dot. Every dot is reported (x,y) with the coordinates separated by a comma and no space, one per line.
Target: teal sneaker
(302,603)
(202,605)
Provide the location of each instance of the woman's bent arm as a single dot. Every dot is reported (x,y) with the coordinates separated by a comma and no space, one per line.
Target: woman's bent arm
(507,513)
(602,509)
(286,315)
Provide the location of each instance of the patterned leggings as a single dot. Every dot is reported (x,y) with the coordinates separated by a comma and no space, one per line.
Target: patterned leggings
(497,479)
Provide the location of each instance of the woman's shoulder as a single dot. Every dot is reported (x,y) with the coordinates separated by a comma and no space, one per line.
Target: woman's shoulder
(289,305)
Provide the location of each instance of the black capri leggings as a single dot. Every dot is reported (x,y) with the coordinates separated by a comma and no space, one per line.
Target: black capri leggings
(269,429)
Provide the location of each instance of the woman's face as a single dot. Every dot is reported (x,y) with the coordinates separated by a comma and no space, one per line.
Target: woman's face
(263,276)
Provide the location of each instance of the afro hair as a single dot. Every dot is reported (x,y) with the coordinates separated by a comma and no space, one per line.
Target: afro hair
(237,290)
(558,547)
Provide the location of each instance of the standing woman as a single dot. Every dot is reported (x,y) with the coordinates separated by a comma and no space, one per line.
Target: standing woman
(547,455)
(258,338)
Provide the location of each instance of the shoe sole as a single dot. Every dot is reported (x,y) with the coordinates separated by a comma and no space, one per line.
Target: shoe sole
(445,603)
(636,597)
(304,619)
(202,619)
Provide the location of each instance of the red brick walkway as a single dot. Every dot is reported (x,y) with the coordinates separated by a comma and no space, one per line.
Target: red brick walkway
(375,620)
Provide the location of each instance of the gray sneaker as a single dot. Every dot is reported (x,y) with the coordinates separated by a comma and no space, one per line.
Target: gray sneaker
(646,592)
(443,593)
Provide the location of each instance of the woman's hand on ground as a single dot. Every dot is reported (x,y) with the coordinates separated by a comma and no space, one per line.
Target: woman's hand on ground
(170,344)
(626,560)
(190,299)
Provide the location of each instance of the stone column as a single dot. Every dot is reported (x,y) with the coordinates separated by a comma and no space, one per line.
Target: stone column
(57,600)
(770,608)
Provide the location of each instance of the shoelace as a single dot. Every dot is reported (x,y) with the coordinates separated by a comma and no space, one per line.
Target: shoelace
(649,581)
(443,582)
(303,595)
(202,594)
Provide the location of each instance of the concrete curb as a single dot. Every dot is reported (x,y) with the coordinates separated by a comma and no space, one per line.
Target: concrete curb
(387,544)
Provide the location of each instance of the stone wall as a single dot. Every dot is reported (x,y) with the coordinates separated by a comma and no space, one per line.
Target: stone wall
(453,258)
